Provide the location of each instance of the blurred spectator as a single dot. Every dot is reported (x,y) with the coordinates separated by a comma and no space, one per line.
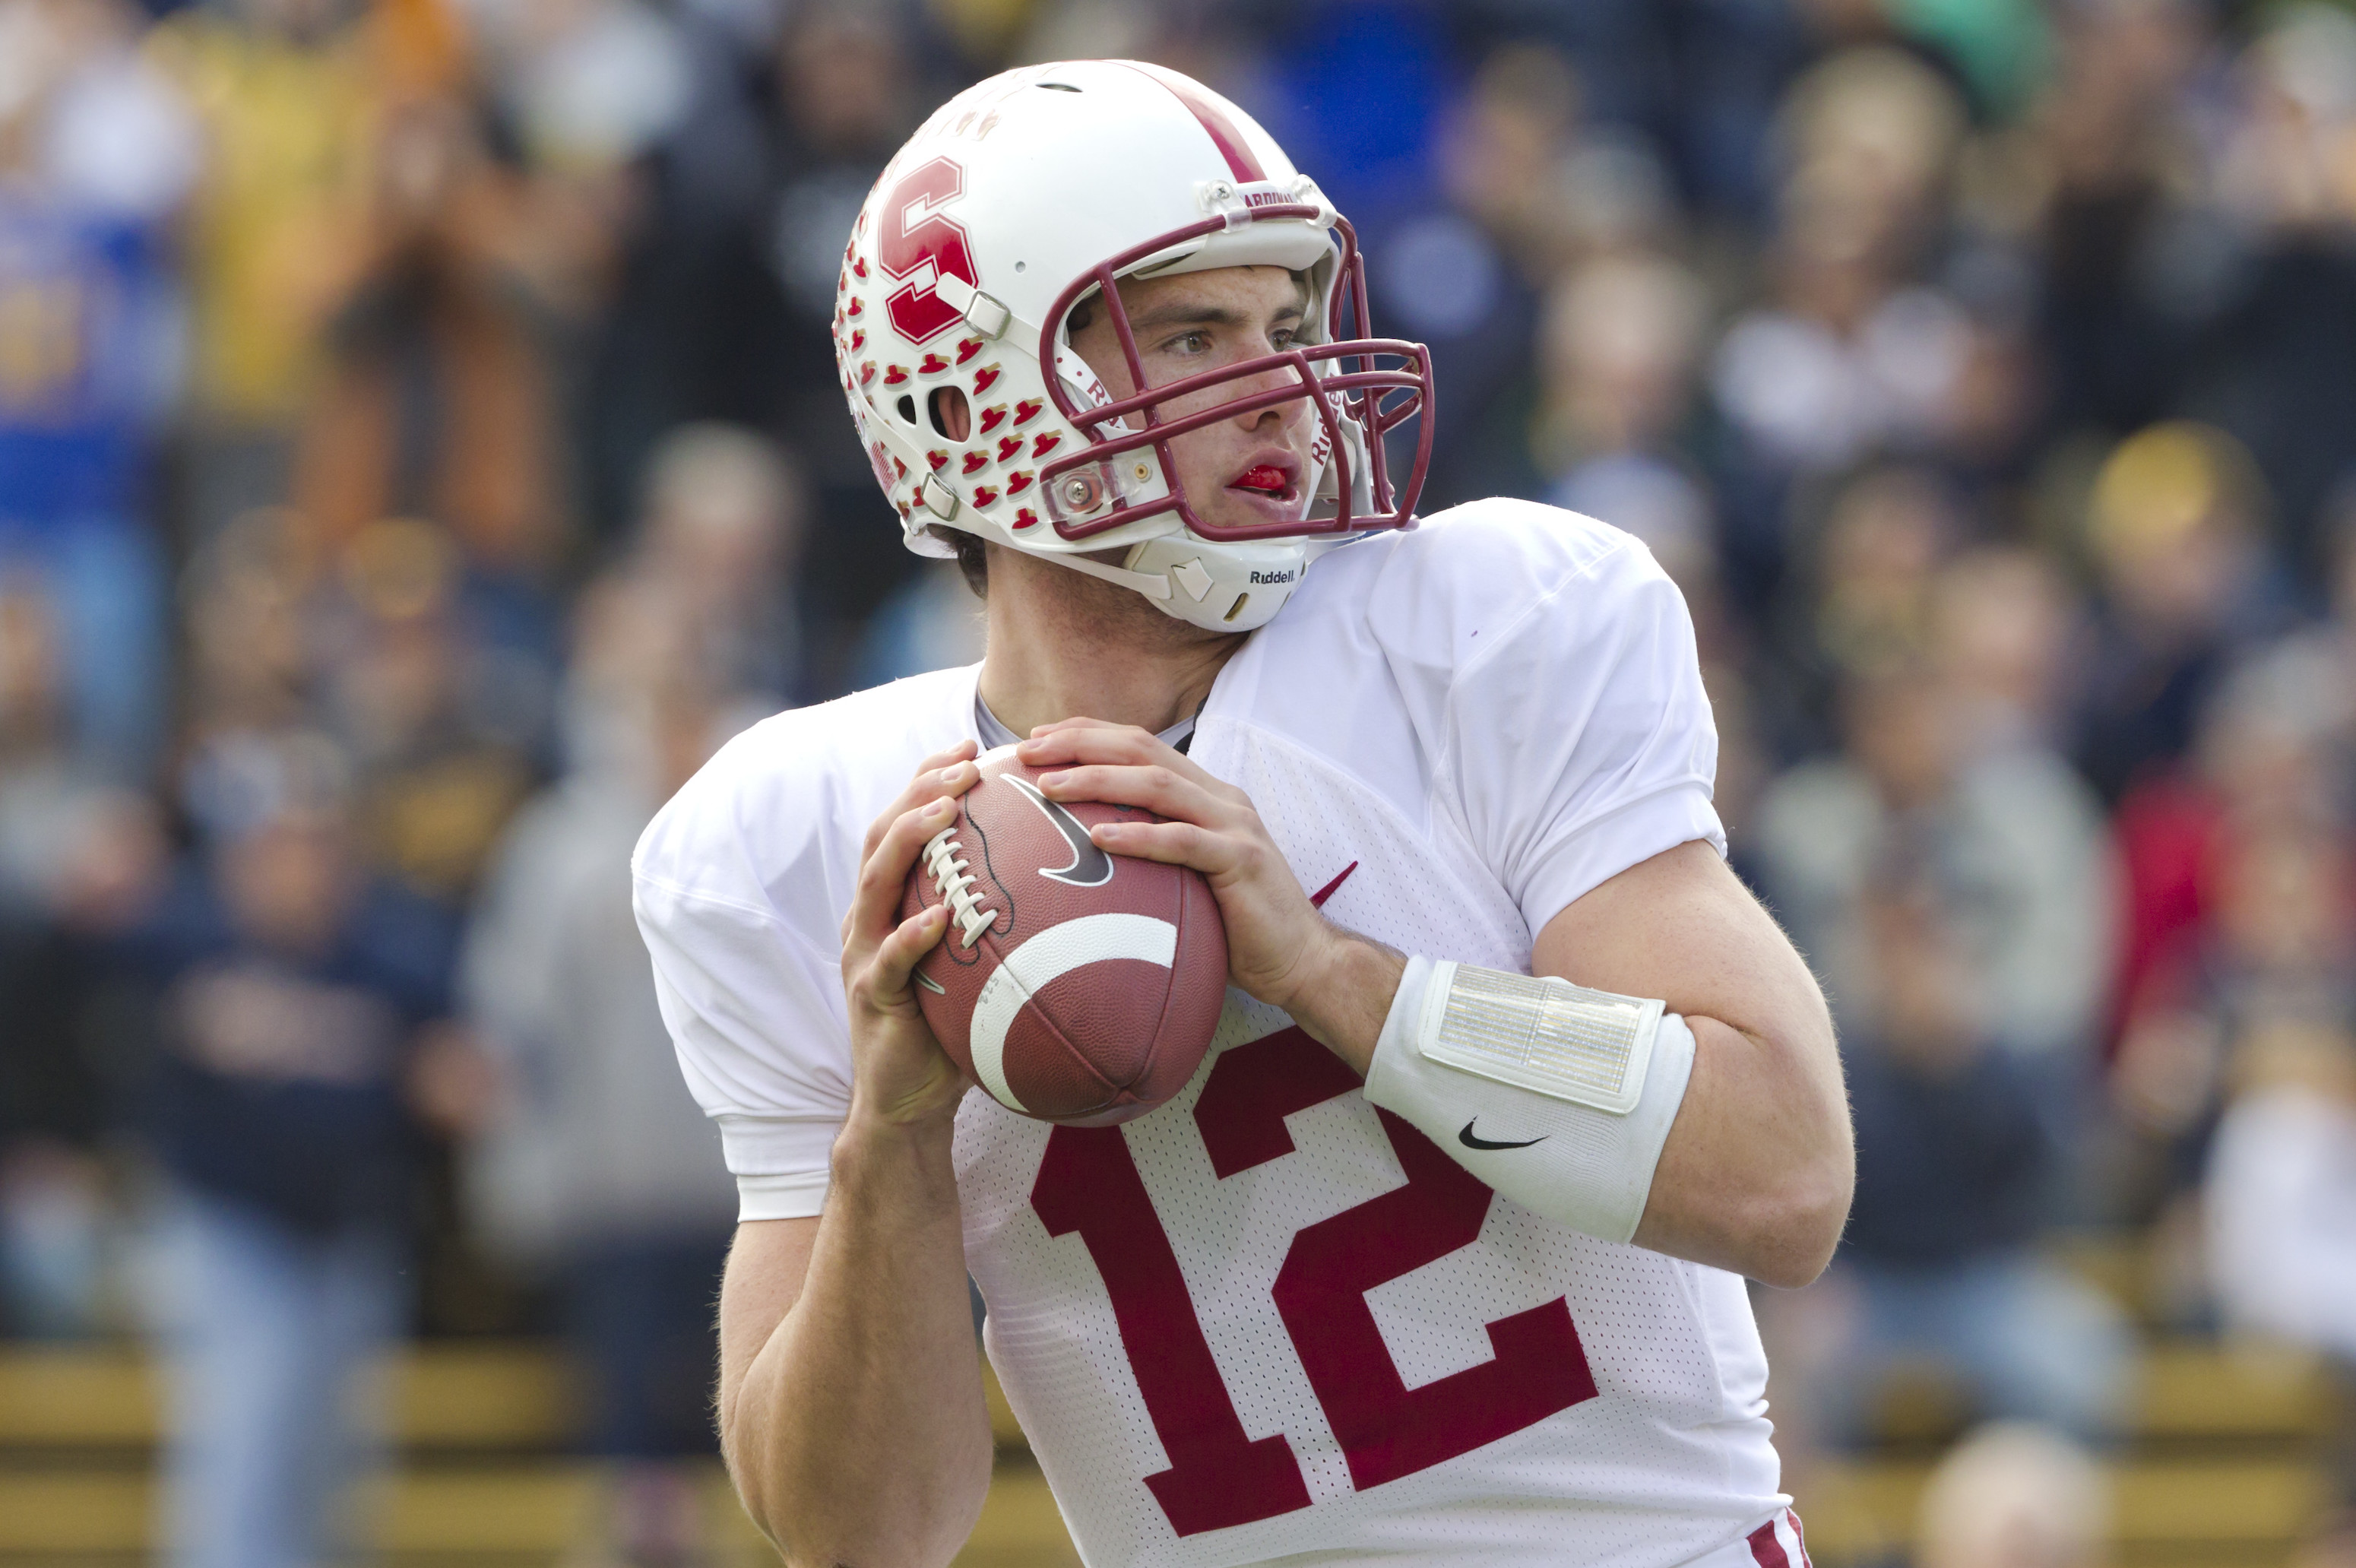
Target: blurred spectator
(279,231)
(1955,1145)
(2280,1213)
(2000,620)
(2281,1192)
(2273,367)
(722,523)
(2132,270)
(2272,955)
(81,1027)
(2176,530)
(1464,276)
(600,1170)
(2013,1495)
(95,159)
(1849,357)
(2009,839)
(442,746)
(1622,337)
(299,1005)
(435,399)
(846,91)
(1850,354)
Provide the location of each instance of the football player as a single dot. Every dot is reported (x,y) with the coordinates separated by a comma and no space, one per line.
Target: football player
(1438,1258)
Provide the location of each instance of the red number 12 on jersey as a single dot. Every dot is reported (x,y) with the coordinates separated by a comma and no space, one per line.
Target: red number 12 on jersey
(1218,1477)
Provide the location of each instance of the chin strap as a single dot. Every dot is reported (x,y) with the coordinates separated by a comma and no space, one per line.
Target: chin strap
(1152,585)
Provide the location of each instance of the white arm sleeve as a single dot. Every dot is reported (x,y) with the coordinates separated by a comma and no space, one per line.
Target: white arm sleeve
(1560,1099)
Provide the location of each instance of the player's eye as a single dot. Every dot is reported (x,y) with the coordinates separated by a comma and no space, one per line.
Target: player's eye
(1192,343)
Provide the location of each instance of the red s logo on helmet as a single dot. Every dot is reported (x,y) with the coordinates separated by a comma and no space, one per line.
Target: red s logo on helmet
(906,242)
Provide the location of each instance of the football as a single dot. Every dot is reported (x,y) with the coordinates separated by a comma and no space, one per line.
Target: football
(1076,987)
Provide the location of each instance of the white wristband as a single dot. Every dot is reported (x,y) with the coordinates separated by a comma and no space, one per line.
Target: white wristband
(1559,1097)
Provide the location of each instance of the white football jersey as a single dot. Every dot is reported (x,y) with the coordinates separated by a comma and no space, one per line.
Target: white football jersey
(1266,1322)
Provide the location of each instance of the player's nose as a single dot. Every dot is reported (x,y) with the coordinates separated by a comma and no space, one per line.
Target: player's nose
(1269,416)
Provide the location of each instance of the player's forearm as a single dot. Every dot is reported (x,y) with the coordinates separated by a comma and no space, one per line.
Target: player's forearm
(1758,1167)
(1345,994)
(859,1433)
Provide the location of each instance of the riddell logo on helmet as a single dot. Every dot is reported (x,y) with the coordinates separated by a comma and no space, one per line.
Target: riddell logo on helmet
(1269,578)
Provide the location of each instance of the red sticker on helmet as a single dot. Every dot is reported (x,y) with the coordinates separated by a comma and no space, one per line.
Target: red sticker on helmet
(968,348)
(917,241)
(985,495)
(1008,445)
(894,374)
(984,379)
(932,365)
(1016,484)
(1027,410)
(1046,442)
(993,416)
(975,462)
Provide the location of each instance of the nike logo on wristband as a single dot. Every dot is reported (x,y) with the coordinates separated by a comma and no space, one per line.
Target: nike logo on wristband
(1470,1142)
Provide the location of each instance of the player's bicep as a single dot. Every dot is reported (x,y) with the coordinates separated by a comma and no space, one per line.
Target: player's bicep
(1681,926)
(1758,1167)
(768,1264)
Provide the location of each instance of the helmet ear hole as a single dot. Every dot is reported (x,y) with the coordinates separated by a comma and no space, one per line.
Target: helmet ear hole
(952,418)
(907,409)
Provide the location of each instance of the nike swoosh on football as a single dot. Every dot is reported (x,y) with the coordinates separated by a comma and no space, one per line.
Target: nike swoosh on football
(1090,867)
(1470,1142)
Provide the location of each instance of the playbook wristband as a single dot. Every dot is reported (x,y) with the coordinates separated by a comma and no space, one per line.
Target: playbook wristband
(1559,1097)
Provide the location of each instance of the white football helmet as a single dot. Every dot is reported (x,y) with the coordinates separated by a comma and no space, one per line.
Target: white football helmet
(1034,191)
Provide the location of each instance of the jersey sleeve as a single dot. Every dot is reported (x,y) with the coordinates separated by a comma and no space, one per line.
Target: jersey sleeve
(746,969)
(1564,700)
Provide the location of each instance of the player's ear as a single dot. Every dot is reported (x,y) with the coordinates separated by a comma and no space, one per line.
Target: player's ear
(952,416)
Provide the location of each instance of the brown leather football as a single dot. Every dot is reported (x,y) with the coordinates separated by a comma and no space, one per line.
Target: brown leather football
(1076,987)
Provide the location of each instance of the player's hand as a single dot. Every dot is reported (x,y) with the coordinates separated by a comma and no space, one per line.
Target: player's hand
(899,1073)
(1276,941)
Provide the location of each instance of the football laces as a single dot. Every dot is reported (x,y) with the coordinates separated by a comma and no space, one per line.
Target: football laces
(951,876)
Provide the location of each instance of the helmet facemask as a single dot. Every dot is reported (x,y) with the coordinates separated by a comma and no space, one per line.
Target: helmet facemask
(1126,473)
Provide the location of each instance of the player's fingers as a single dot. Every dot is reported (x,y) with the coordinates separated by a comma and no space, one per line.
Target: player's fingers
(1162,790)
(1172,843)
(876,902)
(1113,747)
(897,956)
(952,777)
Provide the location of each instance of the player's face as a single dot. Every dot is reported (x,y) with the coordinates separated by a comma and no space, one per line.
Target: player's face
(1253,468)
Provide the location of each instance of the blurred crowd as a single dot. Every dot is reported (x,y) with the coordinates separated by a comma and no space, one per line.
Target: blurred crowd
(420,448)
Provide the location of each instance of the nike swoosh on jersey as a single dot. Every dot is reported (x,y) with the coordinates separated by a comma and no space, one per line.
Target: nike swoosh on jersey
(1090,867)
(1470,1142)
(1317,900)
